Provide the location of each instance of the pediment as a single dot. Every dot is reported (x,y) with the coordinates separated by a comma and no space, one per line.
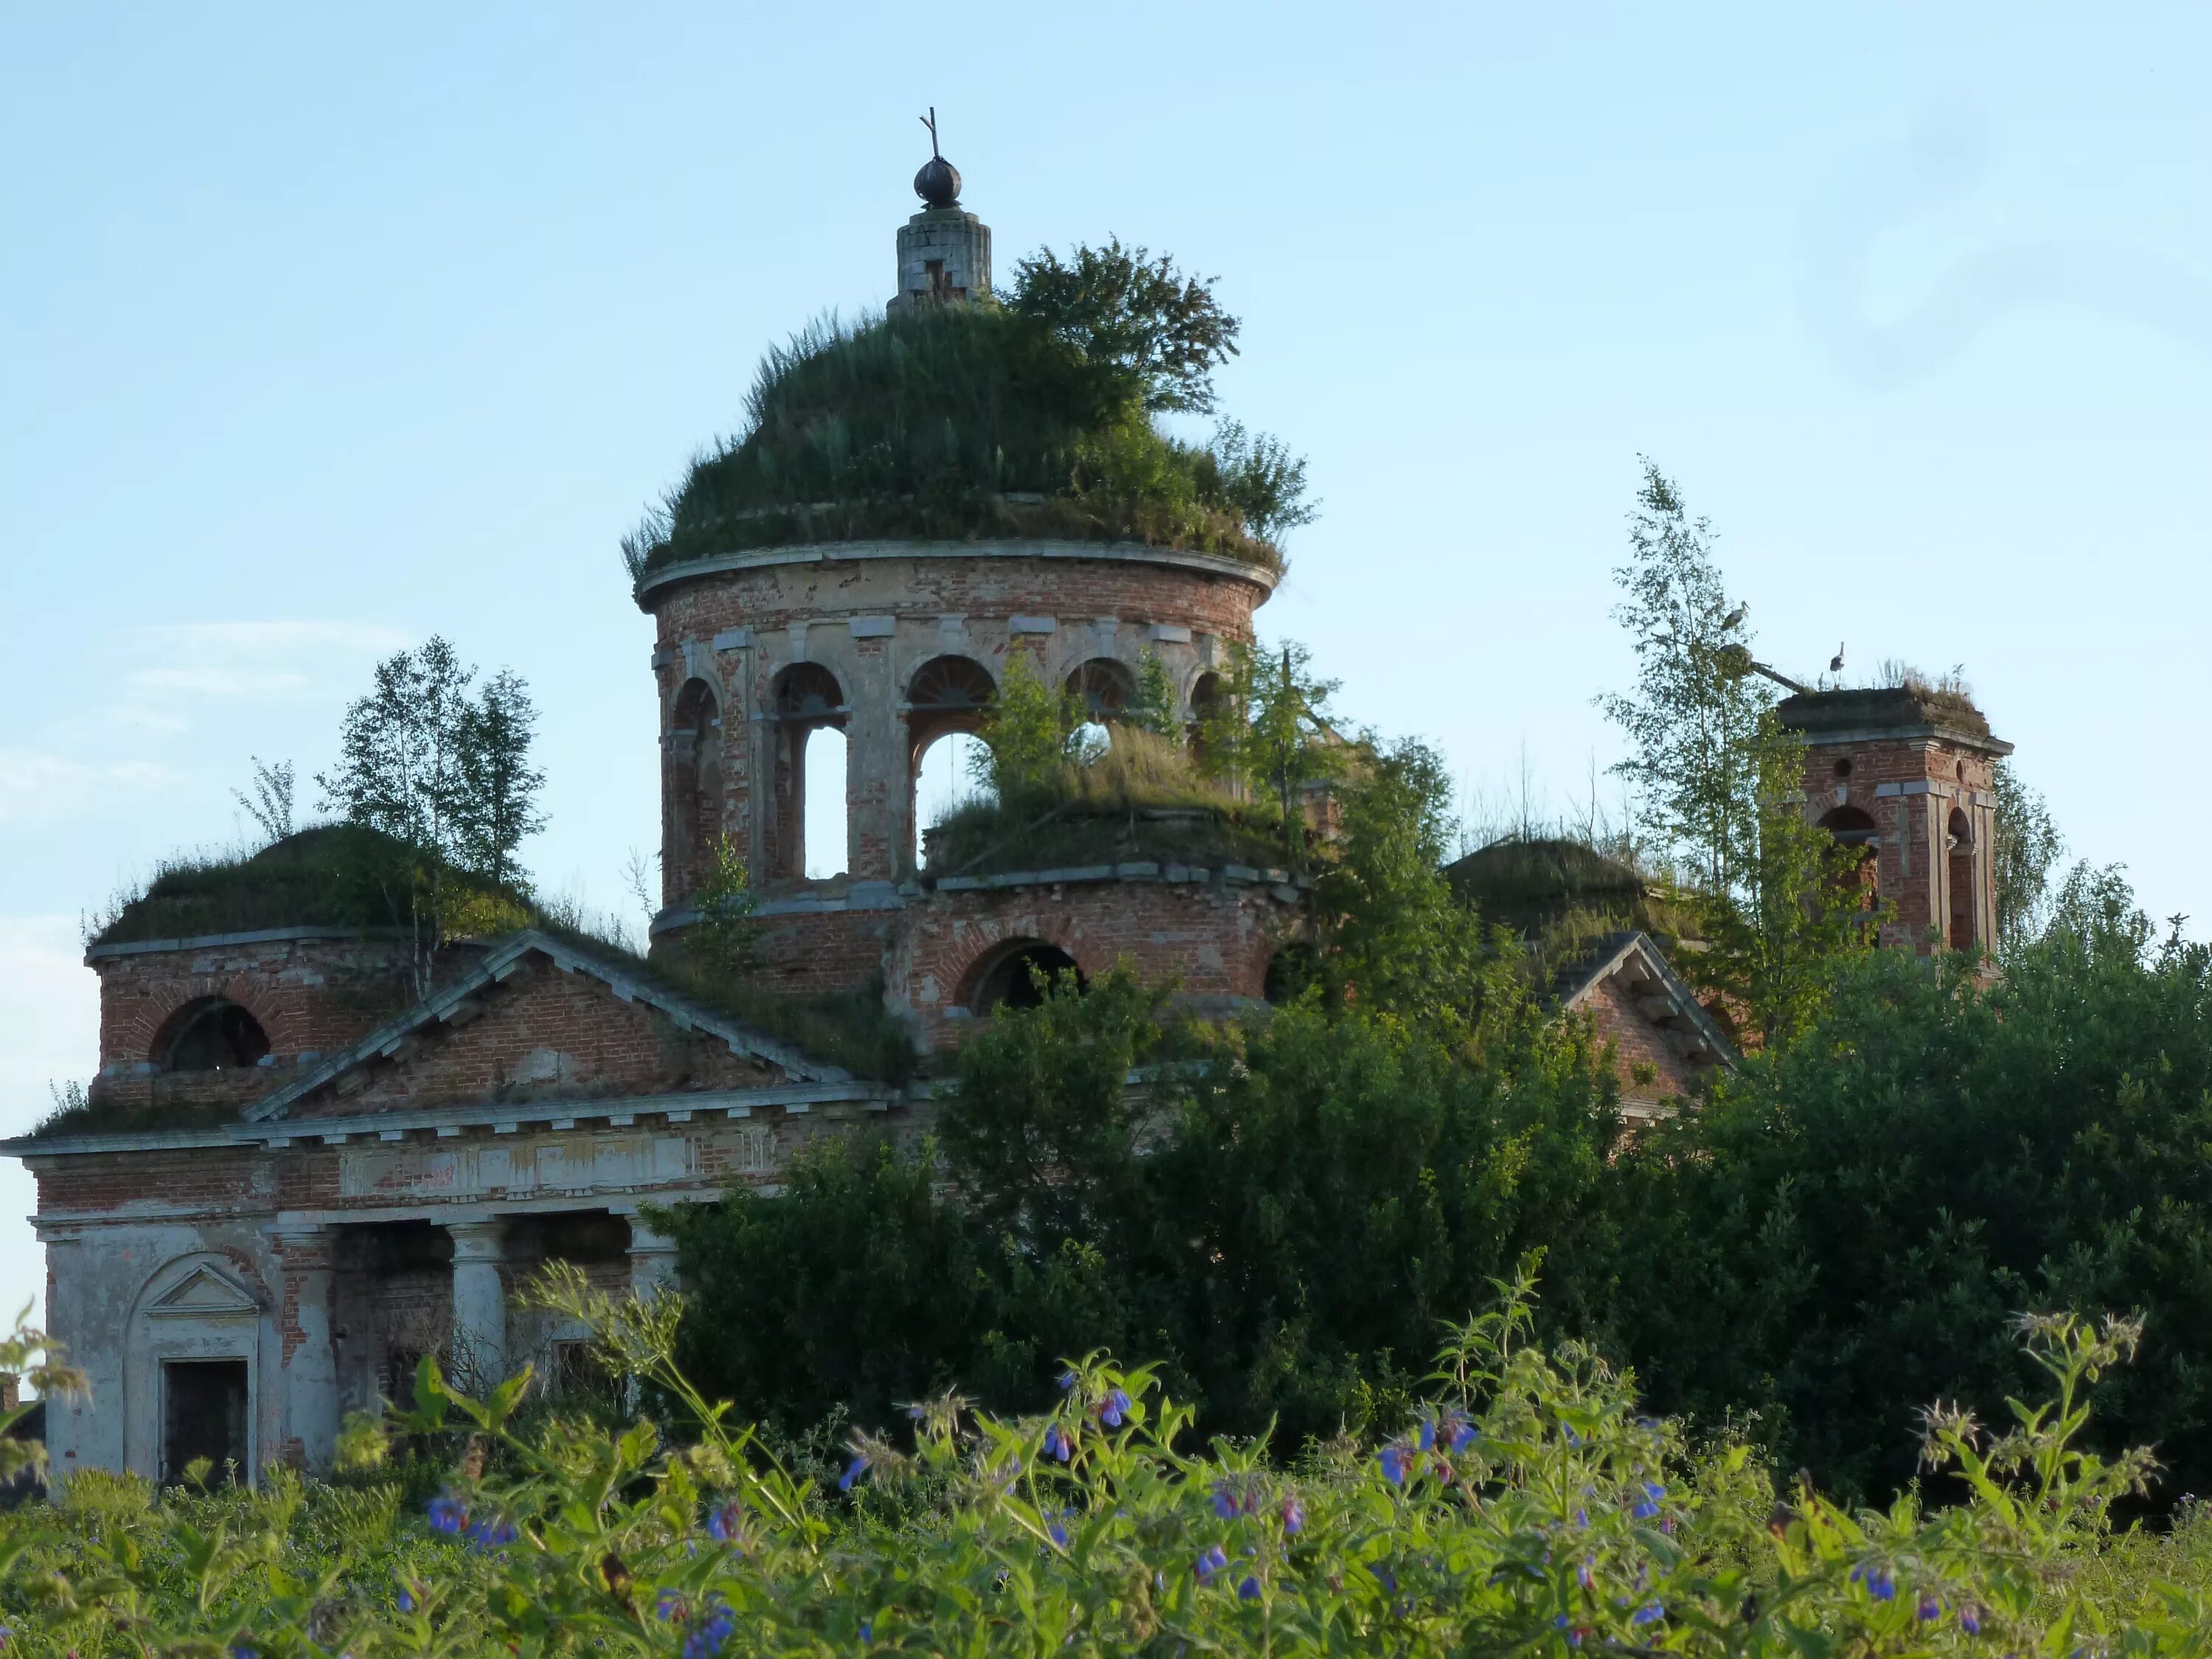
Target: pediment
(540,1019)
(204,1293)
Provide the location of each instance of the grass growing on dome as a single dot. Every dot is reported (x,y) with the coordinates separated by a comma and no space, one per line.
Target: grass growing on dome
(965,422)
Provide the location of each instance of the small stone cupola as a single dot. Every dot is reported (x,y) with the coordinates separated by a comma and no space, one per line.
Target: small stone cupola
(944,251)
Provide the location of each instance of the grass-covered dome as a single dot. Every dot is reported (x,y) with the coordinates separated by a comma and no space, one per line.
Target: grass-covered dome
(963,423)
(330,875)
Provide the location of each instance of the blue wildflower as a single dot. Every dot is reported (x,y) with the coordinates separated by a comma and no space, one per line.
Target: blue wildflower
(244,1650)
(1058,1443)
(1392,1459)
(867,1629)
(725,1524)
(1573,1439)
(410,1598)
(1585,1572)
(1067,1381)
(1581,1517)
(1650,1614)
(491,1535)
(1117,1408)
(1575,1632)
(1654,1490)
(1384,1577)
(1931,1607)
(1969,1619)
(448,1514)
(668,1607)
(854,1471)
(1294,1517)
(1880,1585)
(1428,1434)
(1057,1527)
(1645,1510)
(712,1632)
(1249,1590)
(1211,1562)
(1457,1431)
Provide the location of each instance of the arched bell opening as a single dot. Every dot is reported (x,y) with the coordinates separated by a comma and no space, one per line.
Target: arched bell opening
(1018,974)
(211,1035)
(694,794)
(804,699)
(1958,848)
(946,702)
(1856,830)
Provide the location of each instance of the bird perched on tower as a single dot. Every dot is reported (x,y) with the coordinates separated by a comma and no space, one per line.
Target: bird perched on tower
(1836,662)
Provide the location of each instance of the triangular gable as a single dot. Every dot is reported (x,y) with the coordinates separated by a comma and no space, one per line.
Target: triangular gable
(204,1293)
(460,1002)
(1625,979)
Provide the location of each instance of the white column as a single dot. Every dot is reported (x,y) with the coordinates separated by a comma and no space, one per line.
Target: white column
(479,1304)
(308,1376)
(652,1260)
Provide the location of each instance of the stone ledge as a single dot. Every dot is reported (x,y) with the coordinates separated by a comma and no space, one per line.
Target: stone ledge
(1212,564)
(256,936)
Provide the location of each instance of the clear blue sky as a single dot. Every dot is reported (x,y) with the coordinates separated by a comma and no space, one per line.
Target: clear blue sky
(320,332)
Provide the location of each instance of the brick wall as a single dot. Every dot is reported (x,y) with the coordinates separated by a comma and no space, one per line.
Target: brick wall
(1909,786)
(543,1032)
(1611,1006)
(1215,938)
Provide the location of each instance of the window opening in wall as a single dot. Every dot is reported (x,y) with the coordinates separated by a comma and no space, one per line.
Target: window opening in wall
(1959,841)
(808,703)
(1208,702)
(204,1416)
(825,763)
(1289,970)
(1106,687)
(1854,828)
(944,704)
(215,1036)
(945,780)
(1009,980)
(694,796)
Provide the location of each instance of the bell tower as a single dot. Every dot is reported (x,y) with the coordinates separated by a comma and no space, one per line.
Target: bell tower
(944,251)
(1909,772)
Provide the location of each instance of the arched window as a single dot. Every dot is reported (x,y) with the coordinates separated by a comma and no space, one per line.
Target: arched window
(694,790)
(944,705)
(211,1035)
(1959,843)
(1209,701)
(1106,687)
(1854,828)
(1008,978)
(804,699)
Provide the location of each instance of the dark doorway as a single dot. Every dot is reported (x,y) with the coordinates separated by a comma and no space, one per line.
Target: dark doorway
(204,1415)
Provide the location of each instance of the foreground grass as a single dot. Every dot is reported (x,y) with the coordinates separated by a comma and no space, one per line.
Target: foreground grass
(1527,1507)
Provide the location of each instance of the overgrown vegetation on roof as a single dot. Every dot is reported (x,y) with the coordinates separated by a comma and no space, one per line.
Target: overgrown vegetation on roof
(1033,418)
(331,875)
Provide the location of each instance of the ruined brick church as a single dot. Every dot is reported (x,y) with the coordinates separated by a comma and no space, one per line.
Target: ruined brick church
(331,1175)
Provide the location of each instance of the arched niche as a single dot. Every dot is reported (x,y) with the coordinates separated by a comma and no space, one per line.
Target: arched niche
(210,1034)
(1007,975)
(803,699)
(695,789)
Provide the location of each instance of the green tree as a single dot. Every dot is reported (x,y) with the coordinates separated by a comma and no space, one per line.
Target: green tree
(1165,333)
(1154,708)
(1268,737)
(1719,781)
(495,805)
(724,943)
(2025,847)
(1024,732)
(269,805)
(447,776)
(1258,476)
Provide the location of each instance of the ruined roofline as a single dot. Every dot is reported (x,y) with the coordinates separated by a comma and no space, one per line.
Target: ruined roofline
(453,1002)
(1212,564)
(1886,713)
